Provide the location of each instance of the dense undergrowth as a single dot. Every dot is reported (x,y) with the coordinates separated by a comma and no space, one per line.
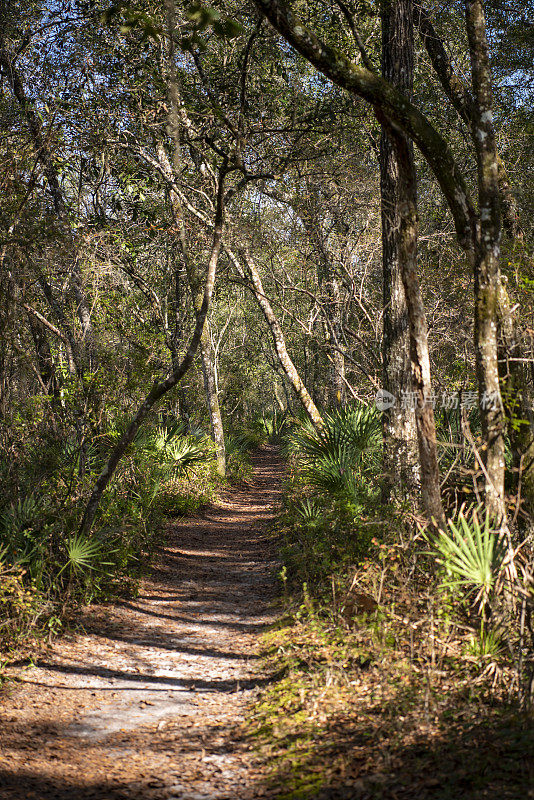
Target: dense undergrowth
(402,652)
(47,569)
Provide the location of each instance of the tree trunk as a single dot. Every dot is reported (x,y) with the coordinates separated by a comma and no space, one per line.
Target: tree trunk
(486,262)
(194,275)
(178,371)
(330,296)
(477,234)
(45,362)
(332,310)
(400,262)
(400,462)
(210,387)
(280,344)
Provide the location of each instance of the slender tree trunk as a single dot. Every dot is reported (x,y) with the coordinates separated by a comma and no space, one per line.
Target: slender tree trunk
(195,281)
(280,344)
(333,331)
(330,297)
(45,362)
(176,339)
(178,371)
(400,458)
(194,275)
(486,262)
(399,184)
(217,430)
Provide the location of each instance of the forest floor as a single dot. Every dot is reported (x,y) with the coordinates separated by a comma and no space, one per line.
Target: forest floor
(176,694)
(147,701)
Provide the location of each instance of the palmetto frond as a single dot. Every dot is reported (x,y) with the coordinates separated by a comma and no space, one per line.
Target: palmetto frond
(349,443)
(83,553)
(471,553)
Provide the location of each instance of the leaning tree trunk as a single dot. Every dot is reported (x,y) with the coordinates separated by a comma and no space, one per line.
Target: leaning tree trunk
(179,370)
(280,344)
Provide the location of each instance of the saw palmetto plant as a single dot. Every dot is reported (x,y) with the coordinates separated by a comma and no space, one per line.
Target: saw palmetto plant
(471,553)
(345,449)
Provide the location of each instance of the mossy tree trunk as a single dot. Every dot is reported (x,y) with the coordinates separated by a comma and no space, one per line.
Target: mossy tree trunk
(487,258)
(478,233)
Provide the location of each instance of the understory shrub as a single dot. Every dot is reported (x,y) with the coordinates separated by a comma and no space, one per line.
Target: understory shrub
(336,530)
(45,566)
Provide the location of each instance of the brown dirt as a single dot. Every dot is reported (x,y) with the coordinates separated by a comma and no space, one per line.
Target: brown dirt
(147,702)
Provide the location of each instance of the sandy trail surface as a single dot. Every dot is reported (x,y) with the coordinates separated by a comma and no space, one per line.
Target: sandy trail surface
(147,702)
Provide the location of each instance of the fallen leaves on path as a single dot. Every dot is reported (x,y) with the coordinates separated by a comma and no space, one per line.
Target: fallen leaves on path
(146,703)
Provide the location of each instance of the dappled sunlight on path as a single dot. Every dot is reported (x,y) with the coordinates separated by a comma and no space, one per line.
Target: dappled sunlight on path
(145,703)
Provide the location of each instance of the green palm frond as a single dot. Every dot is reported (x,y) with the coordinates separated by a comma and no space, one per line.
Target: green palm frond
(181,454)
(472,554)
(309,512)
(347,445)
(83,553)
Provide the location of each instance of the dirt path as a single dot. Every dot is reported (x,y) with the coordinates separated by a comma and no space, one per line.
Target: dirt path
(145,704)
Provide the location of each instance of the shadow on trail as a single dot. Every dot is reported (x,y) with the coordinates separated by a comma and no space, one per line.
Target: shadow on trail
(468,762)
(250,627)
(153,680)
(189,635)
(26,786)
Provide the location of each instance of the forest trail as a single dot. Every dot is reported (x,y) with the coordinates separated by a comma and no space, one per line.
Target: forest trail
(147,702)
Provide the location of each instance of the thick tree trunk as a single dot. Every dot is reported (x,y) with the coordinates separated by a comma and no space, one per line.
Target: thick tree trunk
(419,354)
(513,378)
(477,235)
(280,344)
(400,226)
(400,457)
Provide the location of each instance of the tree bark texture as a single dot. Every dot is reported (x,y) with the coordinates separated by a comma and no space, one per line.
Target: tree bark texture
(400,457)
(487,257)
